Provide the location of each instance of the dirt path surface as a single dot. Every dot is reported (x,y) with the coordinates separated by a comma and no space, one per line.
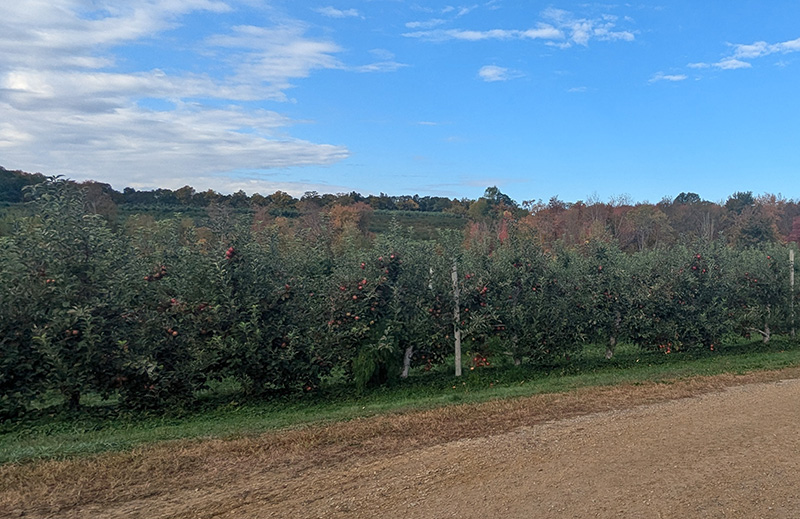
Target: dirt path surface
(702,448)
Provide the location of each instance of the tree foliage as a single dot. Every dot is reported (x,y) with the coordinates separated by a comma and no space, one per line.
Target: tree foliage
(152,311)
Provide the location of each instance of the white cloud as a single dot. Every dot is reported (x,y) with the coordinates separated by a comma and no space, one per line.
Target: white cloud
(381,66)
(541,32)
(462,11)
(660,76)
(452,34)
(263,63)
(754,50)
(724,64)
(74,112)
(332,12)
(560,28)
(135,145)
(427,24)
(491,73)
(744,53)
(11,135)
(731,64)
(762,48)
(105,91)
(382,54)
(582,30)
(386,62)
(604,34)
(272,56)
(69,33)
(790,46)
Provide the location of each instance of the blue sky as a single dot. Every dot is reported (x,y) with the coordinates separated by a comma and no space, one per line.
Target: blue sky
(575,100)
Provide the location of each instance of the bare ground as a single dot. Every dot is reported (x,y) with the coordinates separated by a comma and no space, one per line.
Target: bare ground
(723,446)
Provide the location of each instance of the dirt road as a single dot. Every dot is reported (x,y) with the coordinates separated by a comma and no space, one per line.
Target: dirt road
(710,448)
(735,454)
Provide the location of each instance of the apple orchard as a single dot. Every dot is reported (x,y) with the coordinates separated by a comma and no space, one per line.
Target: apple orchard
(150,311)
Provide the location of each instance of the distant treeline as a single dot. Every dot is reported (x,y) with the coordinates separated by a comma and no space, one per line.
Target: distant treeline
(743,220)
(12,182)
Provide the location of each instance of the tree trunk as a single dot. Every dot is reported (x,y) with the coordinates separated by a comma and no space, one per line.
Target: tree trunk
(517,358)
(612,343)
(74,399)
(407,361)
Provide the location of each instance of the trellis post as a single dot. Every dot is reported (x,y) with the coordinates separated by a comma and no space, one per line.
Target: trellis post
(456,317)
(791,287)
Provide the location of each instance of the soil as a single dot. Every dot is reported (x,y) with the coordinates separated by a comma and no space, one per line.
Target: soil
(726,446)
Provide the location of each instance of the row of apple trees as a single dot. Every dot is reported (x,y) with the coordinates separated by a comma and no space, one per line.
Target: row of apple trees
(151,311)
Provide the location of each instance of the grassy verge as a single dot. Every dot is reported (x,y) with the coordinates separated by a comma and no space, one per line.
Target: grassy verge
(223,414)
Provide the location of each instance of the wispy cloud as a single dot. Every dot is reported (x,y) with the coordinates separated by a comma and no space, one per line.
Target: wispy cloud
(581,30)
(762,48)
(452,9)
(744,53)
(332,12)
(558,27)
(731,64)
(491,73)
(462,11)
(381,66)
(754,50)
(272,56)
(540,32)
(660,76)
(44,33)
(723,64)
(386,62)
(427,24)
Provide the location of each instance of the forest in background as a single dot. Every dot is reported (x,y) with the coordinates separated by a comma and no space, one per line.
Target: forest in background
(744,219)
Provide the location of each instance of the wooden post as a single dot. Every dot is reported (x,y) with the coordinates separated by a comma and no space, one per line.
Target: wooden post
(791,287)
(457,317)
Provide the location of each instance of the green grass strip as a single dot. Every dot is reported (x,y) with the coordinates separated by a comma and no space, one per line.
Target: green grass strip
(224,414)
